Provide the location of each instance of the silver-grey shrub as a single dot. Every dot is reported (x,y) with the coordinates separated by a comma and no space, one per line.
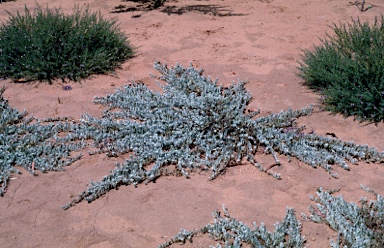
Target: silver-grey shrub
(233,233)
(357,227)
(194,124)
(197,124)
(32,143)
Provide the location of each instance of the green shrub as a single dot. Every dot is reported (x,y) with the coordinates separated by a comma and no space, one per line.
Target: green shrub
(348,70)
(46,45)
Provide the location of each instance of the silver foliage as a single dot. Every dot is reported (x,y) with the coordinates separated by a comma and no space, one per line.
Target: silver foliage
(193,124)
(197,124)
(233,233)
(30,143)
(357,227)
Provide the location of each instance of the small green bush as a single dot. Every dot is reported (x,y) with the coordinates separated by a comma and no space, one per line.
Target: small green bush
(46,45)
(348,70)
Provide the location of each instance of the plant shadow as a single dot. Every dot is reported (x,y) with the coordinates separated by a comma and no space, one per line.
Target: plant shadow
(148,5)
(140,5)
(211,9)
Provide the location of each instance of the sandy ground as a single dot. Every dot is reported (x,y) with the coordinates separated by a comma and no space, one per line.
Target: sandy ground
(255,40)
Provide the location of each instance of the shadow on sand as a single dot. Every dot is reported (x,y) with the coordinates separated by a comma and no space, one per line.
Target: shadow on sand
(149,5)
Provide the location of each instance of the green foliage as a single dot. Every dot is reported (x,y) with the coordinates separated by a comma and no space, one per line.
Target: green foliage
(357,227)
(348,70)
(233,233)
(46,45)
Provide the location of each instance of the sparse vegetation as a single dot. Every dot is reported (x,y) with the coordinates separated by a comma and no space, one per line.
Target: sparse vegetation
(30,143)
(234,233)
(357,227)
(195,124)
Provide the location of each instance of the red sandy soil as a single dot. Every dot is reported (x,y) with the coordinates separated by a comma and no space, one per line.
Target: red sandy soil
(255,40)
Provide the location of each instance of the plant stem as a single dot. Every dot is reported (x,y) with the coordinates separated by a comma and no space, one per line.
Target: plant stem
(362,5)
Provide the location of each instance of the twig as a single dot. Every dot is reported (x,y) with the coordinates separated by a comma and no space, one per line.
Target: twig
(362,8)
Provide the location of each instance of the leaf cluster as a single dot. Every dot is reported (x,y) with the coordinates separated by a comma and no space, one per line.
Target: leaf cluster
(348,70)
(356,226)
(234,233)
(30,143)
(46,44)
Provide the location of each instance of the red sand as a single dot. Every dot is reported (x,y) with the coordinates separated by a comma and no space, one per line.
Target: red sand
(255,40)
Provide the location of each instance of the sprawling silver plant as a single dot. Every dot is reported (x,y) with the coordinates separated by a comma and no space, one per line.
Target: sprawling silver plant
(357,227)
(193,124)
(30,143)
(197,124)
(234,233)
